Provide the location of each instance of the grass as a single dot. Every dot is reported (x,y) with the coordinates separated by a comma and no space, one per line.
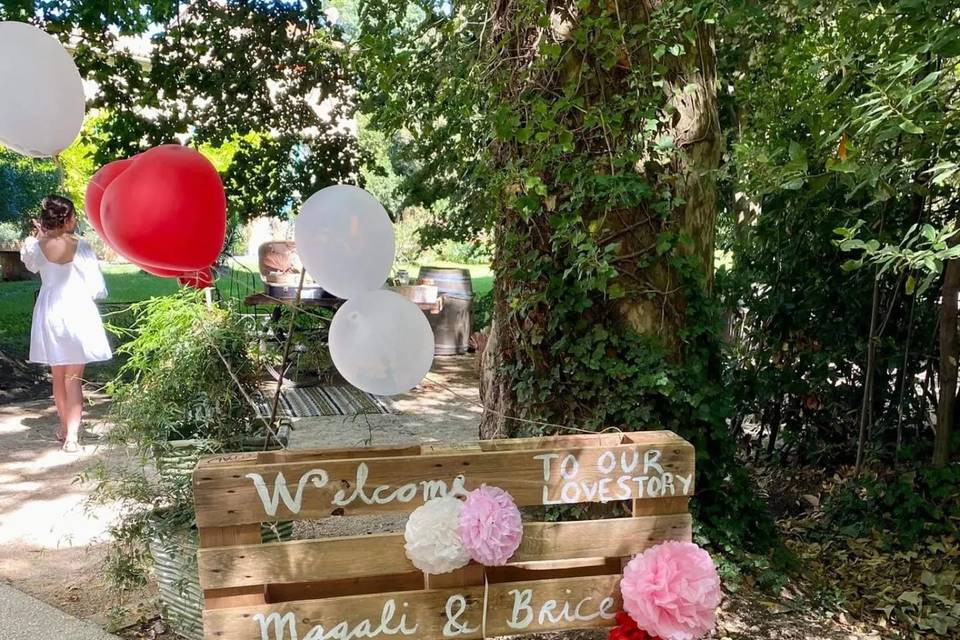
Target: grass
(126,284)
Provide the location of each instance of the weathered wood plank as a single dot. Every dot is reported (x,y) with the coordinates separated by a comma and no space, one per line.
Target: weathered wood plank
(250,593)
(511,608)
(468,576)
(655,466)
(351,557)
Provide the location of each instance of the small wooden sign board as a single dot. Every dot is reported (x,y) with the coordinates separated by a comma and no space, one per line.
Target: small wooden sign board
(565,575)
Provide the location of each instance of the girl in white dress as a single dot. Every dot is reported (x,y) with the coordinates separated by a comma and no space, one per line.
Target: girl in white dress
(67,332)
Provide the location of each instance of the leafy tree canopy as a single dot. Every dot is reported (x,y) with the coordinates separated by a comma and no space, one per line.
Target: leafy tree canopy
(266,77)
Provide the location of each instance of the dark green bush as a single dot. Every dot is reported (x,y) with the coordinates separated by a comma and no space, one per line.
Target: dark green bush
(482,310)
(908,506)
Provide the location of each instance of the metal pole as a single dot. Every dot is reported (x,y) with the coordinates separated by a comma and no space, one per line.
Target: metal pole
(286,350)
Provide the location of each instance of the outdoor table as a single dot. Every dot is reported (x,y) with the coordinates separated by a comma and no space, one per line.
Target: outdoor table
(263,299)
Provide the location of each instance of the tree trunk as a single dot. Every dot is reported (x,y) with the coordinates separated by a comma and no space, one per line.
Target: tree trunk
(690,90)
(493,390)
(949,351)
(656,292)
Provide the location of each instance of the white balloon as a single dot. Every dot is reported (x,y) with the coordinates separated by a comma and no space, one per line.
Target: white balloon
(41,93)
(381,342)
(345,240)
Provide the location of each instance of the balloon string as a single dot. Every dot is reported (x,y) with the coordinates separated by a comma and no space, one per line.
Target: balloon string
(61,173)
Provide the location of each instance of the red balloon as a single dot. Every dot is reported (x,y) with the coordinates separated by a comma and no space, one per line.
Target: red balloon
(98,184)
(166,209)
(160,271)
(197,279)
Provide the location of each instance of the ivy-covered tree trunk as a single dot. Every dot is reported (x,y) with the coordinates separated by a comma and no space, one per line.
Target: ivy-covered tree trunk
(606,142)
(585,134)
(663,234)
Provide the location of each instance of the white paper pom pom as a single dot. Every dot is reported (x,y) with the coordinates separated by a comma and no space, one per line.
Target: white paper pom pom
(433,536)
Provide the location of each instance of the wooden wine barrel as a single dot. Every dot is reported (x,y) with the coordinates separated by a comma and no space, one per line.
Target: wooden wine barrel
(454,324)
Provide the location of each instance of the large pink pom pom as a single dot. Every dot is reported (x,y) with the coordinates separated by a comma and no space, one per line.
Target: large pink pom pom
(490,526)
(672,591)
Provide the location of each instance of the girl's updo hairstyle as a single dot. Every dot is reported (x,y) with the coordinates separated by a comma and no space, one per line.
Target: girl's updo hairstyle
(56,210)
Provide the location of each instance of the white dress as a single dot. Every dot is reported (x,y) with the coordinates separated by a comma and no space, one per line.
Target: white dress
(66,322)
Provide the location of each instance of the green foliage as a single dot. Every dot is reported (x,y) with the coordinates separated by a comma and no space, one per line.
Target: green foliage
(919,255)
(186,373)
(482,311)
(178,378)
(10,232)
(23,183)
(907,506)
(843,116)
(474,252)
(566,149)
(210,72)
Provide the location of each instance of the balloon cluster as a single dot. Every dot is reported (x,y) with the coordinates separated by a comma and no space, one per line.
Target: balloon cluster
(380,342)
(164,210)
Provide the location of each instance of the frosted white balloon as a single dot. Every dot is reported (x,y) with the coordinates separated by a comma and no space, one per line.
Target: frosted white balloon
(381,342)
(345,239)
(41,93)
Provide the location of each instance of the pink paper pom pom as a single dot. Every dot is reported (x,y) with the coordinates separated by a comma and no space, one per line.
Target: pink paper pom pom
(490,526)
(672,591)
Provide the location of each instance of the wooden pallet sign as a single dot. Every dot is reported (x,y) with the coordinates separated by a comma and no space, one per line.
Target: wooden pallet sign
(565,575)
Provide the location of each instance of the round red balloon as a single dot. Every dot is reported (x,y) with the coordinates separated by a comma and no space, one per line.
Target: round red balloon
(166,209)
(98,184)
(160,271)
(197,279)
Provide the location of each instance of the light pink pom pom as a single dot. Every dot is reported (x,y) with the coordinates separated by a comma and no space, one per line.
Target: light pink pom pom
(490,526)
(672,591)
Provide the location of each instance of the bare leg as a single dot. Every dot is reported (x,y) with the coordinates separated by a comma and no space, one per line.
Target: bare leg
(74,404)
(60,397)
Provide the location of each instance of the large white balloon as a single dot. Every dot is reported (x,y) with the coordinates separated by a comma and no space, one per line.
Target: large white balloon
(41,93)
(381,342)
(345,240)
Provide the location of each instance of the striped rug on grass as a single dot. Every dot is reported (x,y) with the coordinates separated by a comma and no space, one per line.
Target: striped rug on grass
(325,400)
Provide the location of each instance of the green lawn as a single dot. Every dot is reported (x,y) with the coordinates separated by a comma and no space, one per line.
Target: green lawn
(126,283)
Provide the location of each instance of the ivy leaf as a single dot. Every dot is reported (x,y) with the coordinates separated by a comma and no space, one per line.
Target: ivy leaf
(850,265)
(910,285)
(665,143)
(910,127)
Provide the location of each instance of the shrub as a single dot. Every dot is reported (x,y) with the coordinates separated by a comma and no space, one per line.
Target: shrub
(186,375)
(907,506)
(482,310)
